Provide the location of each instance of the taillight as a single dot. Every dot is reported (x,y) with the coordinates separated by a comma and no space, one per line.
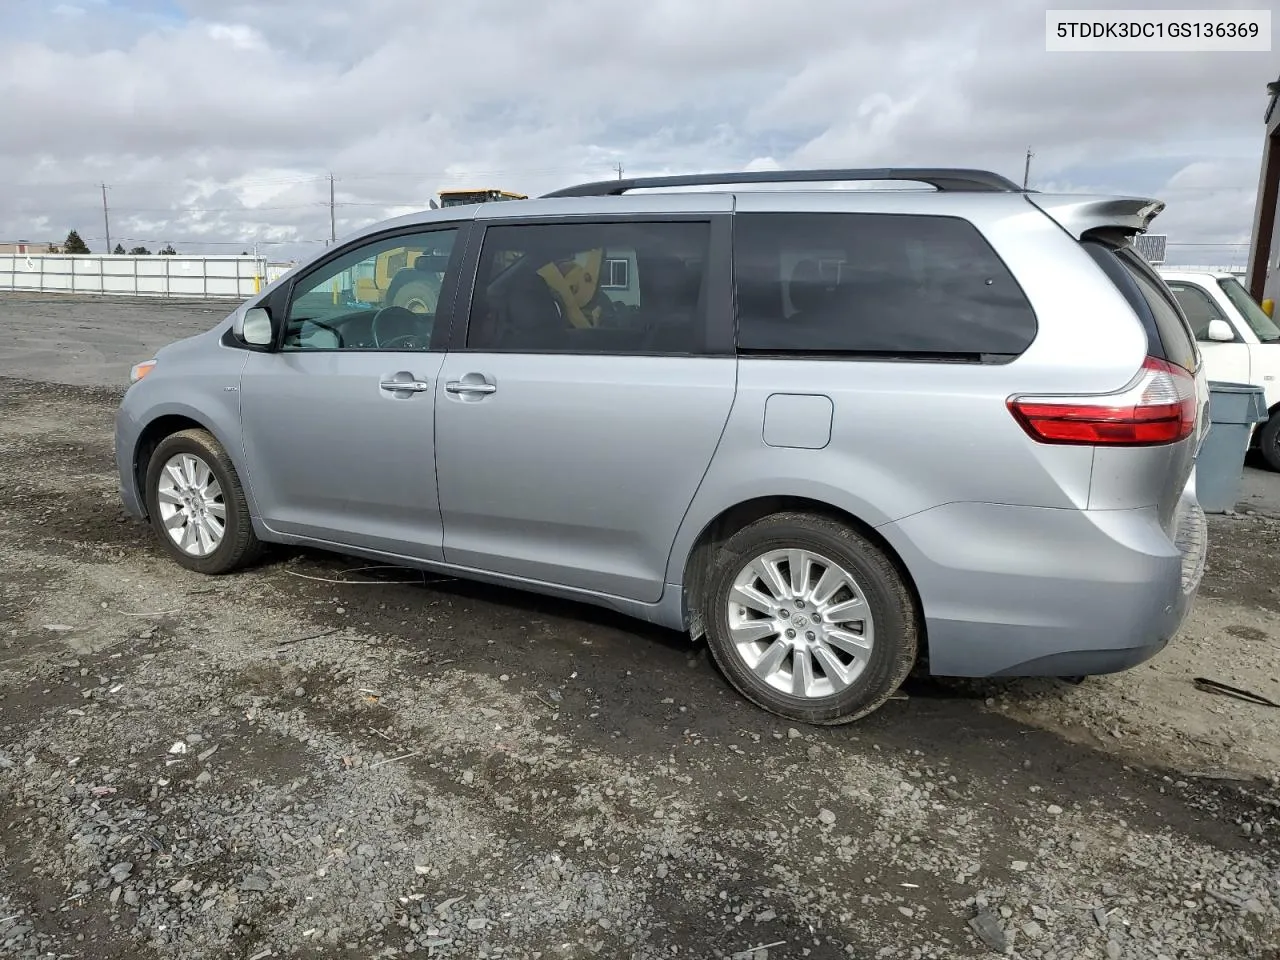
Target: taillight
(1159,406)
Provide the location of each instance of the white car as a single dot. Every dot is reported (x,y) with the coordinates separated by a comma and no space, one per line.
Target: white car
(1239,342)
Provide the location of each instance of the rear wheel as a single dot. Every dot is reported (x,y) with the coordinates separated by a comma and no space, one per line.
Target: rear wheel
(809,620)
(1269,441)
(197,506)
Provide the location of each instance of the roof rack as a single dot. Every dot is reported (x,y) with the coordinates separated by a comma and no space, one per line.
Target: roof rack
(942,178)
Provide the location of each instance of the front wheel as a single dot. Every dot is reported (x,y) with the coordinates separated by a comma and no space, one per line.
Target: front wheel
(1269,441)
(197,506)
(810,620)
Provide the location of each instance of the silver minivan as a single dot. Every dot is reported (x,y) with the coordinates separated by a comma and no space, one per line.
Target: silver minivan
(836,432)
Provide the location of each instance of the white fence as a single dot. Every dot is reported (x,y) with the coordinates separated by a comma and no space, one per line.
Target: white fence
(186,277)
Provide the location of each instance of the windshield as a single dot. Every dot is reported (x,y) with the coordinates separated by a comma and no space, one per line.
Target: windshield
(1254,315)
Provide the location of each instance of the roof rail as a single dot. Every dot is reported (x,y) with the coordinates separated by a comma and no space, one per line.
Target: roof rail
(942,178)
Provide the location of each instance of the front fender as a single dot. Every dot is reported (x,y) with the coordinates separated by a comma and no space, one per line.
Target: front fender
(209,397)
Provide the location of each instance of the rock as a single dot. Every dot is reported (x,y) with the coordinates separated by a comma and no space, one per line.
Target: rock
(793,734)
(121,871)
(906,911)
(204,777)
(604,923)
(1114,950)
(987,927)
(477,923)
(442,909)
(467,776)
(255,883)
(1054,809)
(1019,865)
(765,916)
(489,713)
(826,816)
(815,753)
(182,886)
(1033,930)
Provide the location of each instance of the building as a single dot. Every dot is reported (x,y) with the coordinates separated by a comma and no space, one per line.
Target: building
(24,246)
(1264,251)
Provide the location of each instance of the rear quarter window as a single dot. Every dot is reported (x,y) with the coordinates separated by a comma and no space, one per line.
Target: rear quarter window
(875,284)
(1169,335)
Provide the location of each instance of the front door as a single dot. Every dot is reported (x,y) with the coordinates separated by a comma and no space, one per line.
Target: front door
(577,420)
(338,422)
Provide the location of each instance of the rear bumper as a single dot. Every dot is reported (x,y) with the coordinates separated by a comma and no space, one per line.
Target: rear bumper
(1029,591)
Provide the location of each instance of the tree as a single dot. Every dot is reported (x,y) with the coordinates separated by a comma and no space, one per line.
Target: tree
(118,250)
(140,252)
(167,250)
(73,244)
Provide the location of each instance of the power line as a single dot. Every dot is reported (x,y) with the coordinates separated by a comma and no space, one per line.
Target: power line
(333,233)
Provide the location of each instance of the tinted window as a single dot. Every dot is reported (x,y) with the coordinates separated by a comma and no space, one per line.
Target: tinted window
(591,288)
(1175,334)
(876,284)
(1169,336)
(343,304)
(1197,307)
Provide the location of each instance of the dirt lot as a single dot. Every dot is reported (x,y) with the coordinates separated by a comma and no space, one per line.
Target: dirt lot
(313,760)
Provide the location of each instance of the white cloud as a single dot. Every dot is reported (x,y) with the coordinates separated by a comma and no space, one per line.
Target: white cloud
(220,120)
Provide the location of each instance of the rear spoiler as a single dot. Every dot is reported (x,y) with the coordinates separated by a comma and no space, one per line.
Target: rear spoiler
(1081,216)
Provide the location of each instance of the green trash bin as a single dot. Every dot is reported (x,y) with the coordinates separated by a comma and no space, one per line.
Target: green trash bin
(1234,409)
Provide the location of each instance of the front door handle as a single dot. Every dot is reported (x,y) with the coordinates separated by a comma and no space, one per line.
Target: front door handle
(463,386)
(405,386)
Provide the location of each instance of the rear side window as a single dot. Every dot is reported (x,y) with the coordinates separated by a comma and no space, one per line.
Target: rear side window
(875,284)
(1169,336)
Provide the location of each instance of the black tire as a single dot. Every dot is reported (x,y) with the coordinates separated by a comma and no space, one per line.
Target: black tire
(891,605)
(239,546)
(1269,442)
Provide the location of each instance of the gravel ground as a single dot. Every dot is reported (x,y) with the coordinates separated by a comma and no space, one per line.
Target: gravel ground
(277,764)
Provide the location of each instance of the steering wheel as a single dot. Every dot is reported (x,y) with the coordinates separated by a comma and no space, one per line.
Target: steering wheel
(405,319)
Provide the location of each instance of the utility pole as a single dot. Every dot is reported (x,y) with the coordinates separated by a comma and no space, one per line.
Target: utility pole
(106,220)
(1026,170)
(618,167)
(333,233)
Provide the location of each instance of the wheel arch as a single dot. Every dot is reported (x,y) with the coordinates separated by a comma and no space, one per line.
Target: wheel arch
(697,561)
(166,424)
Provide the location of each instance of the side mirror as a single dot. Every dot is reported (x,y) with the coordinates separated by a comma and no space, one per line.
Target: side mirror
(1221,331)
(255,327)
(1269,307)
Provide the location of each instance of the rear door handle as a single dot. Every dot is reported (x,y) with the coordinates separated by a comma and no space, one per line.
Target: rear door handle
(461,386)
(405,386)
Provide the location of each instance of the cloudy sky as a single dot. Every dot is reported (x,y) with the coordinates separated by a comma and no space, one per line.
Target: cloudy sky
(216,123)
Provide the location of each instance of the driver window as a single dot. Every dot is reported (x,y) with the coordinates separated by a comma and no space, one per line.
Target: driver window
(1200,310)
(377,296)
(623,288)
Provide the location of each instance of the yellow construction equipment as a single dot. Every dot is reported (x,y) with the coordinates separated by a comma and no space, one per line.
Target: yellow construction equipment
(419,290)
(455,198)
